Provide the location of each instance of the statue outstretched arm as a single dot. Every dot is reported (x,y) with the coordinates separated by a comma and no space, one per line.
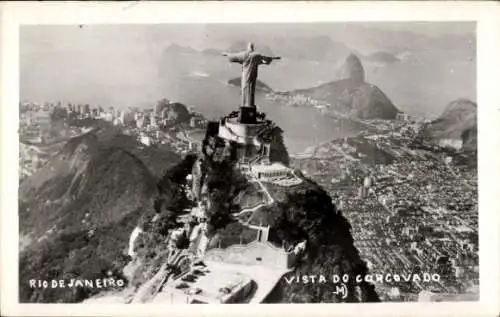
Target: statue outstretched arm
(268,59)
(235,57)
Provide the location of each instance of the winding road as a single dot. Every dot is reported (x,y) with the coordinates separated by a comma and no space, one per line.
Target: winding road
(270,201)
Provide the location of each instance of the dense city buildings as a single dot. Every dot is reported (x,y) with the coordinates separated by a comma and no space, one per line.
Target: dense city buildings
(44,128)
(412,210)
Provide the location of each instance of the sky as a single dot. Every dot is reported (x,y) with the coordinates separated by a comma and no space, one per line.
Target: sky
(426,28)
(200,36)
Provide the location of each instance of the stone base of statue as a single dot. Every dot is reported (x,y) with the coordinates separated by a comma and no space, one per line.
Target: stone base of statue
(248,115)
(243,128)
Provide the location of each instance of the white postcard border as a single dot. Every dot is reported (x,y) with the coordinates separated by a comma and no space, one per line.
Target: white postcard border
(488,38)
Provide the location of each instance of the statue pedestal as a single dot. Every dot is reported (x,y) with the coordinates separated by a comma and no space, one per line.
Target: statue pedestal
(248,115)
(242,133)
(244,127)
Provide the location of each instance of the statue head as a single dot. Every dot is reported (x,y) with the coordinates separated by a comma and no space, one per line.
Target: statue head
(250,47)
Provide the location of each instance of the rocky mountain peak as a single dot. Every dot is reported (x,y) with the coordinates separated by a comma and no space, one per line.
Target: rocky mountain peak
(353,70)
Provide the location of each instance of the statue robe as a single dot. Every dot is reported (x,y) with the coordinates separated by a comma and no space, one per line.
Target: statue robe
(250,62)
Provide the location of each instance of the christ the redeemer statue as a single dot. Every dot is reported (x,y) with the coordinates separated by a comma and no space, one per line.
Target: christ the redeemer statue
(250,62)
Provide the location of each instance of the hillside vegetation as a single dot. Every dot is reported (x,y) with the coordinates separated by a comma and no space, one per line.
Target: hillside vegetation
(80,209)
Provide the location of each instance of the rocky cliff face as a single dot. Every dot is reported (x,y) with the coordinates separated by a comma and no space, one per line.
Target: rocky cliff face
(353,70)
(174,111)
(279,152)
(457,124)
(469,139)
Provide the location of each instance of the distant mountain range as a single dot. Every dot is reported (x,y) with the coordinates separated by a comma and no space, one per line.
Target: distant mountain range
(179,49)
(260,86)
(211,51)
(235,47)
(330,44)
(241,46)
(382,57)
(361,39)
(320,48)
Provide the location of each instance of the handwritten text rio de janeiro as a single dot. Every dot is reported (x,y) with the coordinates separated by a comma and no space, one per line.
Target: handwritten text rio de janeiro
(73,283)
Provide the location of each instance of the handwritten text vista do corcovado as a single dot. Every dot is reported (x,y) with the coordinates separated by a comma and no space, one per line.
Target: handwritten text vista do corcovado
(368,278)
(339,281)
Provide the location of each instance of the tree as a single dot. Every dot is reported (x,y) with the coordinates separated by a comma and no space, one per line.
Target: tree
(167,220)
(172,199)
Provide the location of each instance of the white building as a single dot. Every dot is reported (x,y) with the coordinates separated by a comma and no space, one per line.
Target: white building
(140,122)
(122,117)
(106,116)
(146,140)
(394,293)
(137,115)
(269,172)
(367,182)
(451,143)
(153,120)
(199,212)
(195,121)
(401,116)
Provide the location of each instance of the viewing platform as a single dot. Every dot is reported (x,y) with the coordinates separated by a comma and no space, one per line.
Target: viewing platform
(242,133)
(243,126)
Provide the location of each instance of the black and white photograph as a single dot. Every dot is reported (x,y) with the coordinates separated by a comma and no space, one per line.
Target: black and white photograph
(250,163)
